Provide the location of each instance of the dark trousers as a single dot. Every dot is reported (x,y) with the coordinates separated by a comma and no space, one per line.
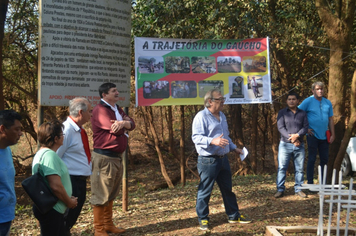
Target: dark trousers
(79,190)
(52,223)
(5,228)
(315,145)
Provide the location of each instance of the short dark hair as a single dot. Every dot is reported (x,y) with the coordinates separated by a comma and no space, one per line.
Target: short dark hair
(8,117)
(48,131)
(104,88)
(293,94)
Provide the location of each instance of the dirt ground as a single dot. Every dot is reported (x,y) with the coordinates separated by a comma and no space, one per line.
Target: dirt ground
(172,211)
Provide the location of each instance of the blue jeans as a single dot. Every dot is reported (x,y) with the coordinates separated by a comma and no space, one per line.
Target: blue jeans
(315,145)
(5,228)
(287,151)
(213,169)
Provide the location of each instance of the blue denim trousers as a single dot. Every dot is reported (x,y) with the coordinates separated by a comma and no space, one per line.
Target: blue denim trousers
(286,151)
(213,169)
(315,145)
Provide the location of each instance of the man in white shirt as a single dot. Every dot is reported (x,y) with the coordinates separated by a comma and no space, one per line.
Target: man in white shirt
(75,153)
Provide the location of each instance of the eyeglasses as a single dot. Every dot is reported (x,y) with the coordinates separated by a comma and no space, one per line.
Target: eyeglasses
(219,99)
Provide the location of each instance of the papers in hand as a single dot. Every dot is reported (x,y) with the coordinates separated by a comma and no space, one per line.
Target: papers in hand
(243,156)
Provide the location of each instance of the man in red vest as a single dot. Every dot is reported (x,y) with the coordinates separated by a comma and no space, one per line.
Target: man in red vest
(110,125)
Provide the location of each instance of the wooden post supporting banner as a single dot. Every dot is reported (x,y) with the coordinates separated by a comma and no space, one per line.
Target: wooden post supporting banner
(124,176)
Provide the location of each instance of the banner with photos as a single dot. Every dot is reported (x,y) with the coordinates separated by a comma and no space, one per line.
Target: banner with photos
(181,71)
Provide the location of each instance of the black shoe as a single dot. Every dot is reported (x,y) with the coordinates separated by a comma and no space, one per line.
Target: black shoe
(279,194)
(301,194)
(204,224)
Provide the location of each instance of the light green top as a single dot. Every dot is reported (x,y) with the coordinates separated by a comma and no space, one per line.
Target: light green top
(52,164)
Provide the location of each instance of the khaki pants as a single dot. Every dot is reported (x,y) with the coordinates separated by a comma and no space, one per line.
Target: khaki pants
(106,178)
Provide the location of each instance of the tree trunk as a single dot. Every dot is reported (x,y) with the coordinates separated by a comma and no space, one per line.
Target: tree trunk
(336,94)
(182,146)
(236,124)
(264,131)
(239,128)
(275,133)
(338,24)
(170,131)
(158,149)
(162,123)
(350,127)
(146,124)
(3,11)
(236,134)
(254,135)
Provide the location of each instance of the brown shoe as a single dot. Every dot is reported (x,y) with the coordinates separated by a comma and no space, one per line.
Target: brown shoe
(108,223)
(301,194)
(279,194)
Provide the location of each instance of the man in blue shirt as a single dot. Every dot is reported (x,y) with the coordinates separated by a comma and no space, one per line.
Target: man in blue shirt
(212,142)
(10,133)
(292,124)
(320,117)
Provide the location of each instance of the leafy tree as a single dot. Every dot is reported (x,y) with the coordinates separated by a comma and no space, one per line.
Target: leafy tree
(298,53)
(294,28)
(3,11)
(338,18)
(20,61)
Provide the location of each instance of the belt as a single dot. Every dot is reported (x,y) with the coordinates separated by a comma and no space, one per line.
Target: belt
(218,156)
(81,177)
(107,152)
(215,156)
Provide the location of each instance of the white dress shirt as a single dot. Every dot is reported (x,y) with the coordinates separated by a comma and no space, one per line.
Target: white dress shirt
(72,151)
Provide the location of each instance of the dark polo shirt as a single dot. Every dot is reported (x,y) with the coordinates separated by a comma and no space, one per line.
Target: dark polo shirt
(292,123)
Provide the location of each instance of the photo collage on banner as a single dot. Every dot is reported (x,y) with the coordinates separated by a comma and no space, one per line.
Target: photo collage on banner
(181,71)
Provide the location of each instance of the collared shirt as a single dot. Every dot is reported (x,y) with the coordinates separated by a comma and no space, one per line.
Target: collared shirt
(117,114)
(103,136)
(205,128)
(292,123)
(318,113)
(72,151)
